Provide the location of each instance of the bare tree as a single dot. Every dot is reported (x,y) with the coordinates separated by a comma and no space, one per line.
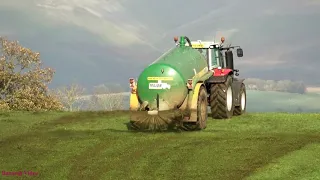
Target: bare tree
(105,99)
(70,96)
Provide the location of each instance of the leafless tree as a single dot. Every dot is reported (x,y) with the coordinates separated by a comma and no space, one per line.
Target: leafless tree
(105,99)
(70,96)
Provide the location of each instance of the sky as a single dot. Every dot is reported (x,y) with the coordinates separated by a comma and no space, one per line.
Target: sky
(91,42)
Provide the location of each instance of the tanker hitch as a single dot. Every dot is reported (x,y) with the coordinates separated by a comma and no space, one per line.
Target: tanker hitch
(155,112)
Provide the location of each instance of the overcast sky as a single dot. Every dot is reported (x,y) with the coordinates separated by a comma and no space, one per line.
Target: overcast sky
(104,41)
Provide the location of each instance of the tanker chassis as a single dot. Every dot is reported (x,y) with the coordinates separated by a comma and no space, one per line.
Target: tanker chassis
(178,87)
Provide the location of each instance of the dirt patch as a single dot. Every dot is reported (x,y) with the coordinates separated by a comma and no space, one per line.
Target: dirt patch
(5,114)
(42,128)
(84,168)
(77,117)
(274,148)
(267,150)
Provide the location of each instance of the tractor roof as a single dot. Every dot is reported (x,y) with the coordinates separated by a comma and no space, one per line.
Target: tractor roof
(202,44)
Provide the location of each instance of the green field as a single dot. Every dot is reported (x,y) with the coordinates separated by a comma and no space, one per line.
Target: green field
(98,146)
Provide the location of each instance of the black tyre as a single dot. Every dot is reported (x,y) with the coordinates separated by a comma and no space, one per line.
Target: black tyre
(238,110)
(202,112)
(221,100)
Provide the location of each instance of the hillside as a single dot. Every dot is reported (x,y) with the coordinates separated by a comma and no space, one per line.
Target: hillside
(98,146)
(264,101)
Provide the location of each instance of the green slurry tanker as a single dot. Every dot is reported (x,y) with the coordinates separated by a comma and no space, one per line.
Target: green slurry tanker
(177,88)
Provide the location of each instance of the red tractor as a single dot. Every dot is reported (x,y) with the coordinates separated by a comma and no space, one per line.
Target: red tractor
(226,93)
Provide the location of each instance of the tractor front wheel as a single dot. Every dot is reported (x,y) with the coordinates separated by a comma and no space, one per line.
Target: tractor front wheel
(221,100)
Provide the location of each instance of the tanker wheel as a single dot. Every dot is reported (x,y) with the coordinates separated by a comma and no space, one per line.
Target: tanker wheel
(238,110)
(202,112)
(221,99)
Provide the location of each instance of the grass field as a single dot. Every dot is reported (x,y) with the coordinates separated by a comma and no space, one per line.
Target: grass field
(98,146)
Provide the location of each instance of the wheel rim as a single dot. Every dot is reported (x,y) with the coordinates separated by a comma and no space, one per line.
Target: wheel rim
(229,99)
(243,101)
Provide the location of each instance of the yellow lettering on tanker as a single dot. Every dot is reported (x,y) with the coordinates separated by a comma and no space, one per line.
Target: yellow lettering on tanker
(160,78)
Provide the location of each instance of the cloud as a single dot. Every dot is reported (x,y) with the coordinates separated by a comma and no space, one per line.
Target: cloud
(273,55)
(275,35)
(91,15)
(312,2)
(99,17)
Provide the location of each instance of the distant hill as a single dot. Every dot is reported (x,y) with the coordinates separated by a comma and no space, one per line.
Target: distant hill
(313,90)
(264,101)
(267,101)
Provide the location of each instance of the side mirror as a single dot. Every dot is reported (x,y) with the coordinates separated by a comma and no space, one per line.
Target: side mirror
(239,52)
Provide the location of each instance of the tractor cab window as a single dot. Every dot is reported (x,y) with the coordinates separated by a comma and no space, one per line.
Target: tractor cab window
(214,58)
(204,52)
(217,58)
(221,59)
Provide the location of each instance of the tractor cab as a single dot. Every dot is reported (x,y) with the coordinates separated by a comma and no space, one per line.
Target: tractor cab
(216,54)
(211,53)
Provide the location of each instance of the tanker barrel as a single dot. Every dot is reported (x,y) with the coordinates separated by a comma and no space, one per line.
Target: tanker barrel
(162,86)
(229,59)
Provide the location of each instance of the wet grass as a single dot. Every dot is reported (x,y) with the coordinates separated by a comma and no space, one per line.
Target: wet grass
(97,145)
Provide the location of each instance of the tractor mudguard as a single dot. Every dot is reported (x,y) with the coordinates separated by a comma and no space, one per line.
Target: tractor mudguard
(236,85)
(219,76)
(193,102)
(217,79)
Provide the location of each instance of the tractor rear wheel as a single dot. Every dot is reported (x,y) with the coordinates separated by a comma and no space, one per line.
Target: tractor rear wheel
(221,99)
(238,110)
